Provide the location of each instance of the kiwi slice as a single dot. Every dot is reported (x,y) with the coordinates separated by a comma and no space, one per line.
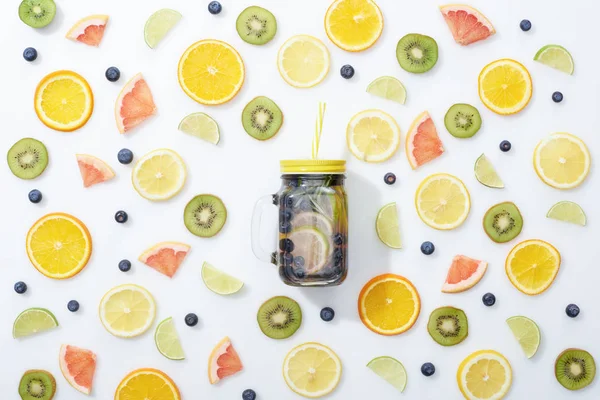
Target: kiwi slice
(27,158)
(448,325)
(503,222)
(574,369)
(37,13)
(417,53)
(205,215)
(255,25)
(37,385)
(262,118)
(462,121)
(279,317)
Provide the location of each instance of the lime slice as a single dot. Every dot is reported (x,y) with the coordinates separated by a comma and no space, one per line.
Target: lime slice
(567,211)
(486,173)
(387,226)
(388,88)
(32,321)
(557,57)
(391,370)
(158,25)
(527,333)
(167,340)
(202,126)
(219,282)
(311,244)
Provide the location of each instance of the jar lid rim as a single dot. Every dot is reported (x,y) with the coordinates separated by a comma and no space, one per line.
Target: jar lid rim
(313,166)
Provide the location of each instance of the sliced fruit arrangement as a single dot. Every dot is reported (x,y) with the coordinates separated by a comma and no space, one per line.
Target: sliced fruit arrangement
(37,384)
(89,30)
(64,101)
(313,246)
(93,170)
(463,274)
(279,317)
(387,226)
(486,174)
(256,25)
(211,72)
(391,370)
(37,13)
(165,257)
(567,211)
(59,245)
(505,86)
(562,160)
(27,158)
(467,24)
(78,367)
(159,175)
(158,26)
(167,340)
(353,25)
(485,374)
(262,118)
(557,57)
(303,61)
(223,361)
(33,321)
(373,136)
(219,282)
(417,53)
(389,304)
(389,88)
(443,201)
(312,370)
(462,120)
(448,326)
(205,215)
(575,369)
(127,310)
(147,383)
(532,266)
(503,222)
(202,126)
(134,105)
(527,334)
(422,141)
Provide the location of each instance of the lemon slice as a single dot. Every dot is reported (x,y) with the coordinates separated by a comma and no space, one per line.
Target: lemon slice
(505,86)
(443,201)
(311,244)
(312,370)
(32,321)
(389,88)
(486,173)
(527,334)
(567,211)
(485,374)
(557,57)
(303,61)
(159,175)
(387,226)
(562,160)
(202,126)
(353,25)
(127,310)
(532,266)
(220,282)
(391,370)
(373,136)
(158,25)
(167,341)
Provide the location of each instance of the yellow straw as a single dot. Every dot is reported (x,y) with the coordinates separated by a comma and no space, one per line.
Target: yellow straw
(318,130)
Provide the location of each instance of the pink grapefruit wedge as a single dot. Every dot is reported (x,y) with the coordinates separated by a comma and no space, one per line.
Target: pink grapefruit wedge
(134,105)
(464,273)
(165,257)
(223,362)
(78,366)
(422,141)
(93,170)
(89,30)
(466,23)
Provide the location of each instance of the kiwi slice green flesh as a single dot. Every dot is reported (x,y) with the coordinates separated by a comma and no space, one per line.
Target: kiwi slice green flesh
(37,13)
(37,385)
(279,317)
(27,158)
(462,121)
(205,215)
(262,118)
(575,369)
(448,326)
(503,222)
(255,25)
(417,53)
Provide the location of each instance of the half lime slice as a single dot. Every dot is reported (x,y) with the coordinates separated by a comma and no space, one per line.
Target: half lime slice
(220,282)
(167,340)
(567,211)
(32,321)
(158,25)
(527,334)
(387,226)
(311,244)
(486,173)
(389,88)
(202,126)
(391,370)
(557,57)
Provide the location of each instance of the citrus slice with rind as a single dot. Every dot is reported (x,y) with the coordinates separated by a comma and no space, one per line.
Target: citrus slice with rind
(562,160)
(353,25)
(134,105)
(391,370)
(159,175)
(127,310)
(165,257)
(303,61)
(422,141)
(505,86)
(532,266)
(486,173)
(387,226)
(147,384)
(467,24)
(219,282)
(463,274)
(93,170)
(527,334)
(78,366)
(167,340)
(312,370)
(33,321)
(484,375)
(373,136)
(158,25)
(567,211)
(443,201)
(556,57)
(389,88)
(89,30)
(224,361)
(201,126)
(311,244)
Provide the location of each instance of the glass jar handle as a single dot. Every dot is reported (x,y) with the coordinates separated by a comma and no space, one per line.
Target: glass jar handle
(257,248)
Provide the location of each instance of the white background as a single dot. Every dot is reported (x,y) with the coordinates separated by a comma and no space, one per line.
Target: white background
(240,170)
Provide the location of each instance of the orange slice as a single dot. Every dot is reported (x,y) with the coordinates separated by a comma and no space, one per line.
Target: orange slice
(353,25)
(463,274)
(467,24)
(505,86)
(532,266)
(78,367)
(93,170)
(223,361)
(147,384)
(134,105)
(89,30)
(165,257)
(422,141)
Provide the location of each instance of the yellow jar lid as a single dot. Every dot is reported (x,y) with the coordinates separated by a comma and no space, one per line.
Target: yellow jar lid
(313,166)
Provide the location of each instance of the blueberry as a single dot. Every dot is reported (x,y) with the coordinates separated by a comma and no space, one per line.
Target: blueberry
(286,202)
(338,239)
(347,71)
(20,287)
(389,178)
(73,305)
(327,314)
(427,248)
(112,74)
(286,245)
(286,259)
(299,261)
(525,25)
(428,369)
(191,319)
(572,310)
(124,265)
(121,217)
(285,227)
(214,7)
(338,257)
(285,215)
(30,54)
(35,196)
(125,156)
(505,146)
(488,299)
(248,394)
(299,273)
(557,97)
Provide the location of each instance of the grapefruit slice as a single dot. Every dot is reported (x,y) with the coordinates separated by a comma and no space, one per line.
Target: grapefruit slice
(223,361)
(466,23)
(134,105)
(464,273)
(422,141)
(165,257)
(78,366)
(89,30)
(93,170)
